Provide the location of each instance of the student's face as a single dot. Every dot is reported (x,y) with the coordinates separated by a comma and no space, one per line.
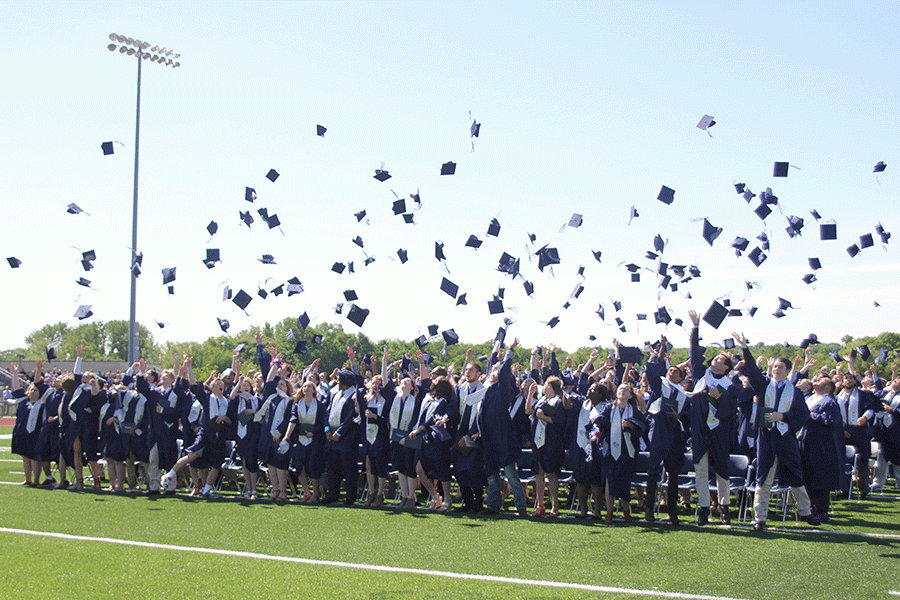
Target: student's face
(217,387)
(674,374)
(308,389)
(779,370)
(471,372)
(406,386)
(168,380)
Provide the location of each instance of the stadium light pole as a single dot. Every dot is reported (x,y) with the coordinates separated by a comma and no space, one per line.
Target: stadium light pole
(168,58)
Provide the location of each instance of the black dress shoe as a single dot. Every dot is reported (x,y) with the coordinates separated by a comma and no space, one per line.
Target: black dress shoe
(726,518)
(703,515)
(151,492)
(759,526)
(673,517)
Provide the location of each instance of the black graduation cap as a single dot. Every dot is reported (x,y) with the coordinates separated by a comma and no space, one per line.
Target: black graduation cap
(740,245)
(399,206)
(828,231)
(529,287)
(635,277)
(369,260)
(439,251)
(14,262)
(51,353)
(757,257)
(768,197)
(475,129)
(494,228)
(879,167)
(762,211)
(168,275)
(318,338)
(715,314)
(226,293)
(450,337)
(812,339)
(267,259)
(448,168)
(601,313)
(416,198)
(338,308)
(666,195)
(320,131)
(224,324)
(748,195)
(432,330)
(547,256)
(358,241)
(272,175)
(739,187)
(338,267)
(273,221)
(630,355)
(473,242)
(495,307)
(658,243)
(632,268)
(360,215)
(780,170)
(403,256)
(632,214)
(814,263)
(421,341)
(853,250)
(262,293)
(107,148)
(735,312)
(710,232)
(619,321)
(853,354)
(884,235)
(662,316)
(762,237)
(836,356)
(705,123)
(596,254)
(242,299)
(278,290)
(784,304)
(461,300)
(382,175)
(300,347)
(246,217)
(408,218)
(350,295)
(212,257)
(866,241)
(553,322)
(303,321)
(212,228)
(449,288)
(651,255)
(864,352)
(249,194)
(508,264)
(809,278)
(795,225)
(90,255)
(664,282)
(83,282)
(678,269)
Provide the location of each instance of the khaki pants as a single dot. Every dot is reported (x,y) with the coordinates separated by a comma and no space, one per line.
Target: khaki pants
(701,469)
(761,502)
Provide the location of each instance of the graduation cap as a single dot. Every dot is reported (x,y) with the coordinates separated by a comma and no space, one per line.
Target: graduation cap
(403,256)
(168,275)
(267,259)
(338,267)
(836,356)
(884,235)
(369,260)
(303,321)
(449,288)
(630,355)
(601,313)
(739,187)
(596,254)
(619,321)
(553,322)
(762,237)
(15,263)
(399,206)
(853,250)
(882,356)
(90,255)
(494,228)
(450,337)
(473,242)
(866,241)
(223,324)
(748,195)
(715,314)
(710,232)
(416,198)
(249,194)
(740,245)
(461,300)
(448,168)
(795,225)
(226,294)
(107,148)
(273,221)
(809,278)
(51,353)
(320,130)
(212,257)
(83,282)
(780,170)
(475,129)
(212,228)
(768,197)
(262,293)
(529,287)
(784,304)
(421,341)
(382,175)
(74,209)
(408,218)
(300,347)
(762,211)
(853,354)
(432,330)
(632,214)
(666,195)
(828,231)
(757,257)
(360,215)
(508,264)
(811,339)
(814,263)
(83,312)
(495,307)
(294,286)
(278,290)
(879,167)
(662,316)
(864,352)
(659,244)
(242,299)
(272,175)
(635,278)
(705,123)
(246,218)
(358,241)
(439,251)
(547,256)
(350,295)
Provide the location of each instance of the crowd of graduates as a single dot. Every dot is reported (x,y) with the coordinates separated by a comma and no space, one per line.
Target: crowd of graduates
(313,433)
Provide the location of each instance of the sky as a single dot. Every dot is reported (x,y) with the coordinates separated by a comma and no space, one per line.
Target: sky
(585,108)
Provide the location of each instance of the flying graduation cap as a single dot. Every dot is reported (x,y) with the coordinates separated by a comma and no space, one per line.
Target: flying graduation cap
(710,232)
(448,168)
(272,175)
(705,123)
(15,263)
(320,130)
(74,209)
(382,175)
(546,257)
(666,195)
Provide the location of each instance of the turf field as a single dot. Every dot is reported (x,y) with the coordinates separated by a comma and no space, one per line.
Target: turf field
(260,550)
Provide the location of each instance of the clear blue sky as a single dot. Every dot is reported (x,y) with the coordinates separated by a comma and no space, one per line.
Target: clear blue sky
(585,108)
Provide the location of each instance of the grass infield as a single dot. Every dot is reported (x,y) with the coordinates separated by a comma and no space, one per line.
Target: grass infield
(854,557)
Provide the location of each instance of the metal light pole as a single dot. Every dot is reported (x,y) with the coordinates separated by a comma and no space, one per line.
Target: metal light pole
(166,57)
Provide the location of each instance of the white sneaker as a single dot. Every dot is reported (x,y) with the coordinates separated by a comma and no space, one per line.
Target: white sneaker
(167,483)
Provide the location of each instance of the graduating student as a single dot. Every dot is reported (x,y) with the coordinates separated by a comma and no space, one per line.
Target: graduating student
(549,439)
(307,425)
(163,411)
(587,455)
(242,408)
(433,458)
(402,417)
(342,435)
(274,446)
(858,408)
(113,437)
(29,410)
(713,409)
(47,445)
(376,432)
(467,458)
(887,431)
(500,441)
(779,415)
(81,436)
(621,426)
(822,448)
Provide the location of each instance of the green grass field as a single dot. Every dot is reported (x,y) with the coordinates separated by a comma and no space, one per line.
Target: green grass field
(858,552)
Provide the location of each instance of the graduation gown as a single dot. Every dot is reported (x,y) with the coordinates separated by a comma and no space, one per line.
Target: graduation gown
(500,441)
(309,455)
(822,445)
(619,471)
